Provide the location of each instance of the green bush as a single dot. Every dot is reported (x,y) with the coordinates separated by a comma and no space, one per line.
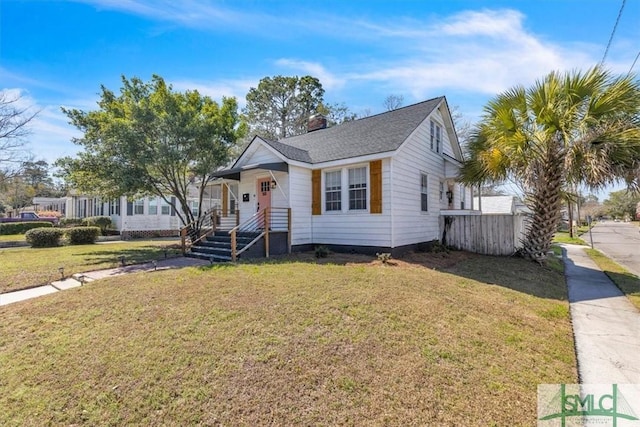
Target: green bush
(103,222)
(70,222)
(46,237)
(21,227)
(321,251)
(82,235)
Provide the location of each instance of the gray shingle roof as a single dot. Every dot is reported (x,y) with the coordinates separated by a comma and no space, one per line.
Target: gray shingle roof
(371,135)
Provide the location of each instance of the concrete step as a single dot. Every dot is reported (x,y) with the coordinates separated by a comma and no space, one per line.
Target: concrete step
(213,258)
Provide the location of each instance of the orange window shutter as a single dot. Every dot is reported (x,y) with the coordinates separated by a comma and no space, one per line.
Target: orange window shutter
(225,200)
(316,196)
(375,177)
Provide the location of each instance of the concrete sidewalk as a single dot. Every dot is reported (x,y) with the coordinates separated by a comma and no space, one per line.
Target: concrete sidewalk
(606,326)
(90,276)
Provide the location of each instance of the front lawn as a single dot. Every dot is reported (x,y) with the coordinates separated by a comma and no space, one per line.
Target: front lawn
(12,238)
(564,237)
(26,267)
(292,342)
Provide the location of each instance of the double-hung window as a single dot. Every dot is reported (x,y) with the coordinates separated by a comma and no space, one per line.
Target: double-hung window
(194,205)
(114,207)
(358,188)
(333,190)
(138,207)
(165,208)
(424,192)
(153,206)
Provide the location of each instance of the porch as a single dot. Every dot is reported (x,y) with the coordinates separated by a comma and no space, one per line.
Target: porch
(266,233)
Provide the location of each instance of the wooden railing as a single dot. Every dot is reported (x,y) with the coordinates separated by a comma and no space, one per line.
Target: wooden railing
(262,223)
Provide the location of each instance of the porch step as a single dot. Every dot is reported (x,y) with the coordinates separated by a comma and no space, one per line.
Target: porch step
(217,247)
(208,257)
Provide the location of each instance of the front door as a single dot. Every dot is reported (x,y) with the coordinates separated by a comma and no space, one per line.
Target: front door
(264,195)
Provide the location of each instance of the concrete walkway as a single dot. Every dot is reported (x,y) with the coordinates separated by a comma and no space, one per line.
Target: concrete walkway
(75,280)
(606,326)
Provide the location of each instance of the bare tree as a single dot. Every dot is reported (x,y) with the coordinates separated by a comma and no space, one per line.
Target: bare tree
(462,125)
(393,102)
(14,121)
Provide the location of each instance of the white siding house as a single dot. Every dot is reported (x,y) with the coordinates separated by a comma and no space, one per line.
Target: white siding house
(377,183)
(142,217)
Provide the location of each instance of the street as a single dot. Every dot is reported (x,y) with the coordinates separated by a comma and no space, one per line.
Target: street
(618,240)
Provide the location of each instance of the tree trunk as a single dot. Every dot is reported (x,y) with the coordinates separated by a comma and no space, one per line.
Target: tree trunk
(570,206)
(545,200)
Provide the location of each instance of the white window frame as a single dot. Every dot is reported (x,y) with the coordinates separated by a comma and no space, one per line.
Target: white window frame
(138,205)
(114,207)
(356,190)
(339,191)
(165,207)
(194,205)
(432,132)
(435,136)
(424,192)
(345,191)
(153,206)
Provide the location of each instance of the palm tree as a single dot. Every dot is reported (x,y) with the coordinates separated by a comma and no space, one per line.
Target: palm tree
(568,129)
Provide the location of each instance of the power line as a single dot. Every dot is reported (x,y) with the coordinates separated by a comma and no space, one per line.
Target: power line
(613,32)
(634,62)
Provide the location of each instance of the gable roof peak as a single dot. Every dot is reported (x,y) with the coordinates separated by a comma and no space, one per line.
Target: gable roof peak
(380,133)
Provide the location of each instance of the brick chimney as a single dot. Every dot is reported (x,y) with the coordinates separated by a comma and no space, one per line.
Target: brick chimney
(316,122)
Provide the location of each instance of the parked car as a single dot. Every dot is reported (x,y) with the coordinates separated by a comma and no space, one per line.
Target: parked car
(31,216)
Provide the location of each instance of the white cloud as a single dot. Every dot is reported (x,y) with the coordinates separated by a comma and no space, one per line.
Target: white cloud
(216,90)
(188,13)
(492,23)
(329,80)
(476,51)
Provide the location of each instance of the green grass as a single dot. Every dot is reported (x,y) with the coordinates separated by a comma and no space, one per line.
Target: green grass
(12,238)
(27,267)
(563,237)
(628,282)
(555,262)
(292,342)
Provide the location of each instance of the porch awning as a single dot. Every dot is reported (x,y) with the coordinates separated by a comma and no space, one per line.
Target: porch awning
(234,173)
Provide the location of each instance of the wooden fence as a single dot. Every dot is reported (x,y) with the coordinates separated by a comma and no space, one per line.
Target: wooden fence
(485,234)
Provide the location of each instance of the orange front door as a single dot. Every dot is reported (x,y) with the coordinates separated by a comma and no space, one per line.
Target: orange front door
(264,193)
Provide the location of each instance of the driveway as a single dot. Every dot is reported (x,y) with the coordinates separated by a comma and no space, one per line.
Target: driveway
(620,241)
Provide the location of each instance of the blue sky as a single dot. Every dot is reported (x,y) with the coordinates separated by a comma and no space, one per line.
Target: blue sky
(58,53)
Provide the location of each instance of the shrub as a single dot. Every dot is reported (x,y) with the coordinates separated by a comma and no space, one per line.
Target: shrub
(22,227)
(385,257)
(70,222)
(321,251)
(103,222)
(45,237)
(83,235)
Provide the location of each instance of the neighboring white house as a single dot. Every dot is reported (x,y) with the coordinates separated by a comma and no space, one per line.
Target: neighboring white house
(143,217)
(377,183)
(511,205)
